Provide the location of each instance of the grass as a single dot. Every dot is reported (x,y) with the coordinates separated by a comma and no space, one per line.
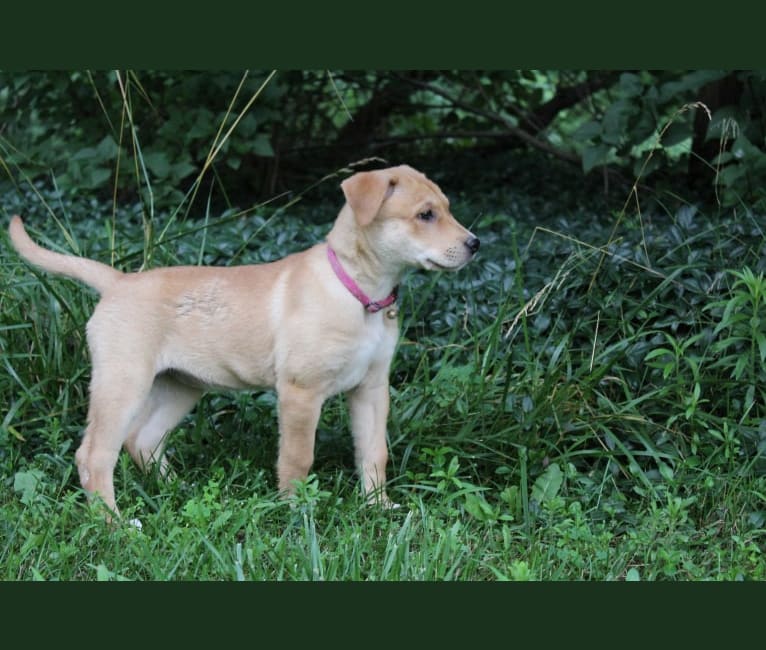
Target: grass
(580,403)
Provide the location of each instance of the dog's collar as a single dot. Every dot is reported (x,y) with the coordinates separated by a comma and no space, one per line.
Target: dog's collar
(371,306)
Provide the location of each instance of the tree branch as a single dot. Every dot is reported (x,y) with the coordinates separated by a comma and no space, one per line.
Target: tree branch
(397,139)
(510,128)
(569,96)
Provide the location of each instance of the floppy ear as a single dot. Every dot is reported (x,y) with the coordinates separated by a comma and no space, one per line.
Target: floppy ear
(366,191)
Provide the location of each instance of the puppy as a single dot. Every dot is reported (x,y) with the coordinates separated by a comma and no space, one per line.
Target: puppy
(311,325)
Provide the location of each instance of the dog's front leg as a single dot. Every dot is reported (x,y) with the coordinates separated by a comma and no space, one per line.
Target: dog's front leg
(368,407)
(299,410)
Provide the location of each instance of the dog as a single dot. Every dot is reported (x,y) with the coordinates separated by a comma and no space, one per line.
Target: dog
(311,325)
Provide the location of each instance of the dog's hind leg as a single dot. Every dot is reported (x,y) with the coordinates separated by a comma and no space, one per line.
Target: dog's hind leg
(168,402)
(118,396)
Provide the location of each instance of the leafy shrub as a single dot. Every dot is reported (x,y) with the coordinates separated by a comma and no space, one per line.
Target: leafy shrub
(151,134)
(147,132)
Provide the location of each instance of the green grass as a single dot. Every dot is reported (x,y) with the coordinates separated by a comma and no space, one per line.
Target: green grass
(584,401)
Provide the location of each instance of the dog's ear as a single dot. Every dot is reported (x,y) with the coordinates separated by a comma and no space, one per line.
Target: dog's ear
(366,191)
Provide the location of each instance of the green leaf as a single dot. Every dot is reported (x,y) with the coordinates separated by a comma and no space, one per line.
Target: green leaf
(203,126)
(740,367)
(658,352)
(182,169)
(262,146)
(730,174)
(556,354)
(97,177)
(666,471)
(86,153)
(722,158)
(724,122)
(749,397)
(104,574)
(761,341)
(750,154)
(157,162)
(743,149)
(587,131)
(631,84)
(548,484)
(690,82)
(476,506)
(595,156)
(28,483)
(676,133)
(527,404)
(542,322)
(615,124)
(646,167)
(107,149)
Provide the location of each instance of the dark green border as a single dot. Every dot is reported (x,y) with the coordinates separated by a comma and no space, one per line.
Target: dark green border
(394,614)
(394,34)
(400,35)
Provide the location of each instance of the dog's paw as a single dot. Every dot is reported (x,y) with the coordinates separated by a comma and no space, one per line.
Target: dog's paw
(382,501)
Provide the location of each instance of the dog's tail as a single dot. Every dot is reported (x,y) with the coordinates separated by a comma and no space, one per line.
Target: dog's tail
(95,274)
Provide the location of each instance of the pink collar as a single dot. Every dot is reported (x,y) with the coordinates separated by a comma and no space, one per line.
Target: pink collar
(370,305)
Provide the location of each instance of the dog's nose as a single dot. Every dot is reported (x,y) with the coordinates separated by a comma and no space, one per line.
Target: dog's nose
(473,244)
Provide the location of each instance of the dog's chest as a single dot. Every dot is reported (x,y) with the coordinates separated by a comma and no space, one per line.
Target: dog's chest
(373,346)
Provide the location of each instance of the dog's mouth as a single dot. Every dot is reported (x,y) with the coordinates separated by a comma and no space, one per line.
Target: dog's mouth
(430,265)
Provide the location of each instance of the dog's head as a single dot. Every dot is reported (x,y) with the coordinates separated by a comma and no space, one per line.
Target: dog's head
(406,217)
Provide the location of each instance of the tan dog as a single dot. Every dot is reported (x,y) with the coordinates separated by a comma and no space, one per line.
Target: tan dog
(158,339)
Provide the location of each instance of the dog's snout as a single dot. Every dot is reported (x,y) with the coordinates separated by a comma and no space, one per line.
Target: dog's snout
(473,244)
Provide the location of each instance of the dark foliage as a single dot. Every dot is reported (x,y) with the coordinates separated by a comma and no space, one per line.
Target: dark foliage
(128,132)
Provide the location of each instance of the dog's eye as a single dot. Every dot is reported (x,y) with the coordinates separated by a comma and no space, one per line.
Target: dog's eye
(428,215)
